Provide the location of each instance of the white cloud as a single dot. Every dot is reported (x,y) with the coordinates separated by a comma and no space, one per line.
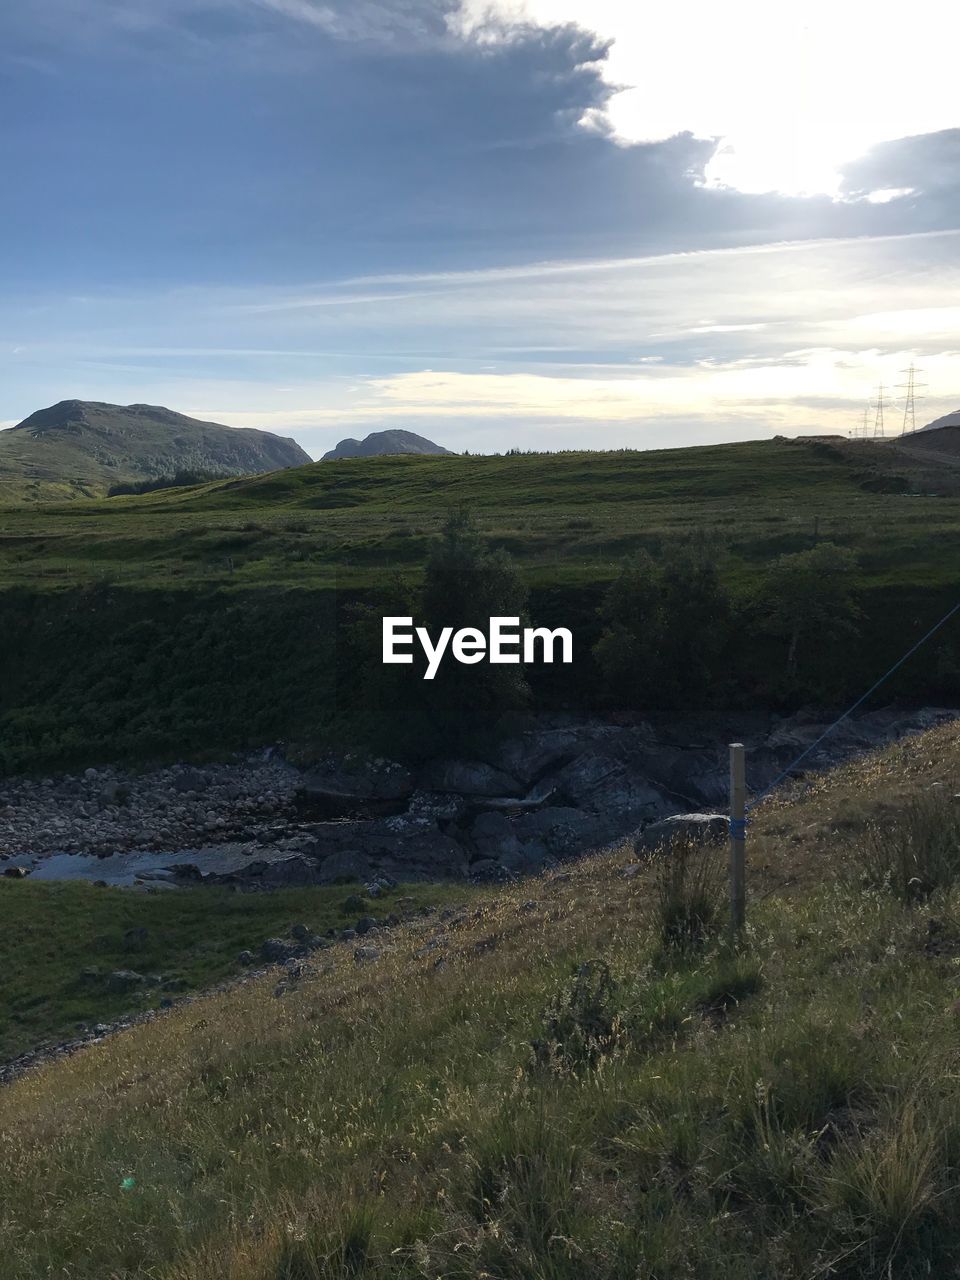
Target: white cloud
(792,91)
(683,348)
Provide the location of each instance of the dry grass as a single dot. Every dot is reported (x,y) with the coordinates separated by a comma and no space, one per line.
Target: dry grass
(790,1110)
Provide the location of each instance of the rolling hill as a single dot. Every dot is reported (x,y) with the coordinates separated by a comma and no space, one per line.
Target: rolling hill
(80,448)
(383,443)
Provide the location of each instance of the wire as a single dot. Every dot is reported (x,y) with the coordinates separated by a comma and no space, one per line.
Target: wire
(859,702)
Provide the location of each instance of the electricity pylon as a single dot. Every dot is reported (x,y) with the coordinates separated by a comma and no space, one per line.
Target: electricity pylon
(911,387)
(878,419)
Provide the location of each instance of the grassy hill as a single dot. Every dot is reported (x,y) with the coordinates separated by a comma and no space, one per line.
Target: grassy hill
(78,449)
(206,618)
(549,1084)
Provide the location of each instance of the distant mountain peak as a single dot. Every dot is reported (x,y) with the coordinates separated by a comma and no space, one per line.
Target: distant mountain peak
(384,443)
(90,445)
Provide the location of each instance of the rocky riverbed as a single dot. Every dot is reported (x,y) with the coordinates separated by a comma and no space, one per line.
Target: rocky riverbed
(558,789)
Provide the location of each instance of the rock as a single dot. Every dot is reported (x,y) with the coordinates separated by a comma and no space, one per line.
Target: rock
(354,904)
(529,756)
(363,955)
(609,787)
(245,958)
(693,828)
(489,870)
(494,837)
(300,932)
(348,864)
(469,778)
(188,779)
(125,980)
(276,951)
(364,925)
(347,935)
(16,873)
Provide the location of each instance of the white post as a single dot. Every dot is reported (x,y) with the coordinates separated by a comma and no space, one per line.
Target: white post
(738,813)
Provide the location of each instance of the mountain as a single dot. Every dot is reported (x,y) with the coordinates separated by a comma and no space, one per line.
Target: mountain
(83,447)
(948,420)
(379,443)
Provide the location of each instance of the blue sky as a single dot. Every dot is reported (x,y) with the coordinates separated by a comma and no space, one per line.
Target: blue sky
(544,223)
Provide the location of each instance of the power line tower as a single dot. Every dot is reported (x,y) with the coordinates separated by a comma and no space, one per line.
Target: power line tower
(878,430)
(861,430)
(913,391)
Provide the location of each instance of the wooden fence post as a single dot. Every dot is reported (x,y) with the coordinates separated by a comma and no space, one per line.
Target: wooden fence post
(738,815)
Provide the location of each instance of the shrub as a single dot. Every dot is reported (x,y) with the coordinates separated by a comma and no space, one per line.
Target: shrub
(583,1022)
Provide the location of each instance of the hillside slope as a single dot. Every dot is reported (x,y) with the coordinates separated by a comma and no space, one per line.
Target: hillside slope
(80,448)
(550,1081)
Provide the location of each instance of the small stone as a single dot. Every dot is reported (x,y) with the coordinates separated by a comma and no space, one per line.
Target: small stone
(363,955)
(365,924)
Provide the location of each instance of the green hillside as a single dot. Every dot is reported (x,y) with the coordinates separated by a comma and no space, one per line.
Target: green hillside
(79,449)
(204,619)
(571,1077)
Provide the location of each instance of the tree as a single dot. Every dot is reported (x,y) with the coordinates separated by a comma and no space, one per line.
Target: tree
(667,629)
(465,585)
(628,651)
(809,599)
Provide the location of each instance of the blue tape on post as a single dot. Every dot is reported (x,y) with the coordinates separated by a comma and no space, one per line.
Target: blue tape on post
(738,828)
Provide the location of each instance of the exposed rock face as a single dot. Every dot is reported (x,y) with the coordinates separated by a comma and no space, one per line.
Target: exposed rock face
(553,792)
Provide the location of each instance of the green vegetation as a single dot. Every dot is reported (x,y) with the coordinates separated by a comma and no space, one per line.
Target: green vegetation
(61,942)
(82,448)
(465,584)
(213,618)
(563,1096)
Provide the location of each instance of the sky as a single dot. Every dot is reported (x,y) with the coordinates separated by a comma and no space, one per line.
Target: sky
(540,224)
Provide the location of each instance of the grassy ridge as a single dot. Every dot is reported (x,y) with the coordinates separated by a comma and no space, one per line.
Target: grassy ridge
(205,619)
(789,1110)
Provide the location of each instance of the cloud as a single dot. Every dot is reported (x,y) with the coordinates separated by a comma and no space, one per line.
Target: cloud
(793,93)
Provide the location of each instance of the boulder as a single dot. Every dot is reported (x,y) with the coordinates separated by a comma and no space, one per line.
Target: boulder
(347,865)
(691,828)
(494,836)
(277,951)
(125,980)
(469,778)
(608,786)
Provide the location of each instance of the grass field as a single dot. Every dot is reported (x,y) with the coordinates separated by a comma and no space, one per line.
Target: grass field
(202,620)
(568,518)
(61,942)
(790,1109)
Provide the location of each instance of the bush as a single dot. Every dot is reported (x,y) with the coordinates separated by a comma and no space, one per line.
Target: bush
(583,1022)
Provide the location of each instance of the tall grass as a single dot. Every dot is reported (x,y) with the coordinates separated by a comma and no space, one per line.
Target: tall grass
(914,850)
